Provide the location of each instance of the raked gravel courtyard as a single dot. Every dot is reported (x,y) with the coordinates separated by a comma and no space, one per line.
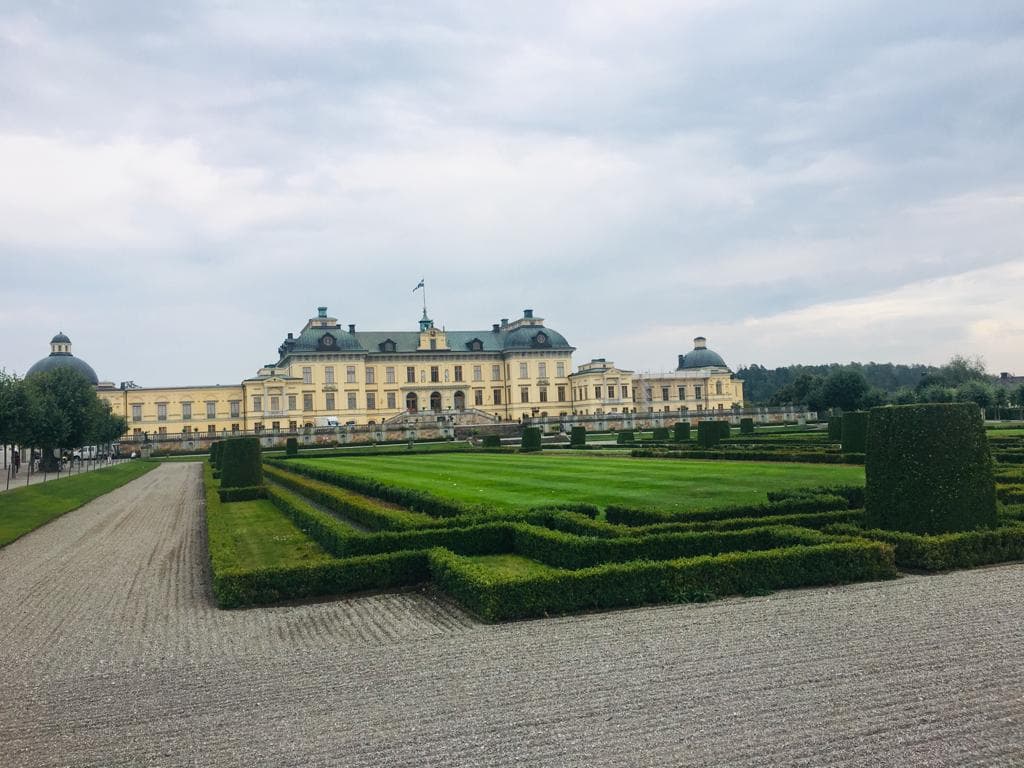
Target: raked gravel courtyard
(112,654)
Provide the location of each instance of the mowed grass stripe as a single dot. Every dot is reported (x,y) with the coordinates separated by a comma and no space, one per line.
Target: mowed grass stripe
(517,481)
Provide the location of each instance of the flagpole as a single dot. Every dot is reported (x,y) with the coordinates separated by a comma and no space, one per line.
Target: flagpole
(424,297)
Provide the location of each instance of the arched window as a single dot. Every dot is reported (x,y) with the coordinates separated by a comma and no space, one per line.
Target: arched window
(435,401)
(718,387)
(411,402)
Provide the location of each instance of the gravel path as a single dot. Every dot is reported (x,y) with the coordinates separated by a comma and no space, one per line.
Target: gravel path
(113,655)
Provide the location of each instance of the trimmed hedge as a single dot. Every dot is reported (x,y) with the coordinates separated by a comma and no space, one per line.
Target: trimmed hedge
(964,549)
(746,426)
(531,439)
(214,451)
(708,433)
(854,494)
(491,441)
(625,437)
(239,463)
(660,434)
(805,457)
(854,431)
(835,428)
(616,585)
(291,447)
(242,493)
(929,470)
(788,506)
(1012,493)
(577,436)
(681,432)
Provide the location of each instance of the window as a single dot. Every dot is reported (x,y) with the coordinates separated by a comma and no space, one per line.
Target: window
(291,402)
(597,391)
(561,393)
(186,430)
(392,400)
(682,393)
(433,343)
(275,403)
(235,428)
(495,373)
(542,370)
(257,402)
(371,376)
(458,373)
(136,431)
(478,373)
(186,411)
(543,394)
(307,375)
(275,425)
(696,391)
(625,391)
(236,408)
(351,401)
(524,394)
(721,407)
(718,387)
(583,392)
(560,369)
(163,430)
(307,401)
(410,374)
(328,375)
(329,401)
(389,375)
(497,396)
(136,413)
(371,401)
(350,374)
(524,371)
(478,397)
(664,393)
(211,409)
(258,426)
(161,411)
(434,373)
(293,426)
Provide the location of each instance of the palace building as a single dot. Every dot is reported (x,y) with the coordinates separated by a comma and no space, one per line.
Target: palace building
(330,376)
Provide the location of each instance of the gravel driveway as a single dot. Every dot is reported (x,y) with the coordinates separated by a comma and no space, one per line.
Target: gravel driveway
(112,654)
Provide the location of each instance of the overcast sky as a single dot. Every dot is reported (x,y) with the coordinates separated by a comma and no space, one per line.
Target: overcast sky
(798,181)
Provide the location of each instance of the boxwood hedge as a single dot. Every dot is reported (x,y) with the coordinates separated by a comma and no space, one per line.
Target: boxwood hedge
(854,431)
(531,439)
(239,462)
(681,431)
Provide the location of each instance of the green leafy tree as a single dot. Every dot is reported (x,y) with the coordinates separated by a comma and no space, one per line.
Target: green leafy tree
(936,393)
(1018,395)
(844,389)
(978,392)
(63,411)
(14,408)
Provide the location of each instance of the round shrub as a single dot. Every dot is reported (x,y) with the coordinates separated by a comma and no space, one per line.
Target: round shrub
(854,431)
(291,447)
(681,432)
(746,426)
(531,439)
(928,469)
(240,463)
(578,436)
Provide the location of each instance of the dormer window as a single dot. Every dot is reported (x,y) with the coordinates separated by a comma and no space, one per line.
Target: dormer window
(327,341)
(475,345)
(388,345)
(540,339)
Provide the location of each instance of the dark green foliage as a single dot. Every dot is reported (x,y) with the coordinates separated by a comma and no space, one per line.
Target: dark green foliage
(660,434)
(746,426)
(213,453)
(614,585)
(724,430)
(491,441)
(964,549)
(708,434)
(806,457)
(242,493)
(578,436)
(216,474)
(787,506)
(1011,493)
(854,494)
(291,447)
(681,431)
(531,439)
(240,463)
(928,469)
(854,430)
(835,428)
(625,437)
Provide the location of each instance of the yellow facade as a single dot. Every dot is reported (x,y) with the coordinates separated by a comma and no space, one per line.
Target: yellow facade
(598,387)
(701,382)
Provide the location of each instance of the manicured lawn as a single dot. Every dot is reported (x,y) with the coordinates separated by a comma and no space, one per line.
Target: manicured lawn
(25,509)
(247,535)
(510,566)
(519,481)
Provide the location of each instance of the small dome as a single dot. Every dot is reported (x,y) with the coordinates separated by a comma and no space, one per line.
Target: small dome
(532,336)
(53,362)
(60,338)
(701,357)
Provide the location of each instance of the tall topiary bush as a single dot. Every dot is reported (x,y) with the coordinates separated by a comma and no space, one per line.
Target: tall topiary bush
(746,426)
(531,439)
(854,431)
(928,469)
(835,428)
(724,430)
(213,453)
(708,434)
(681,432)
(240,463)
(660,434)
(578,437)
(291,447)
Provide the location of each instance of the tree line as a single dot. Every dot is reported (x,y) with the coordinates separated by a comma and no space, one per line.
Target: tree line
(864,385)
(55,410)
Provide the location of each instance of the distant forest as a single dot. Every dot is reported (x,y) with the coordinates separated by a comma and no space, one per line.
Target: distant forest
(862,385)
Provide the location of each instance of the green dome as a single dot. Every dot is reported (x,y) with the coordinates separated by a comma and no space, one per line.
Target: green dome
(64,360)
(700,357)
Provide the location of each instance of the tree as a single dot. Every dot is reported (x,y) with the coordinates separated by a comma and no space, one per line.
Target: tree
(960,369)
(63,411)
(1018,395)
(977,392)
(844,389)
(14,408)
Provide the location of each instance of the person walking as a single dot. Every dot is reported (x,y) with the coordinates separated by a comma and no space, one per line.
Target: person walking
(15,460)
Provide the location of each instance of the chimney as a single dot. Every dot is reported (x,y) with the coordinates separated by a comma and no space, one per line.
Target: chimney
(321,311)
(351,327)
(681,361)
(290,337)
(504,322)
(700,343)
(527,313)
(495,328)
(1004,375)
